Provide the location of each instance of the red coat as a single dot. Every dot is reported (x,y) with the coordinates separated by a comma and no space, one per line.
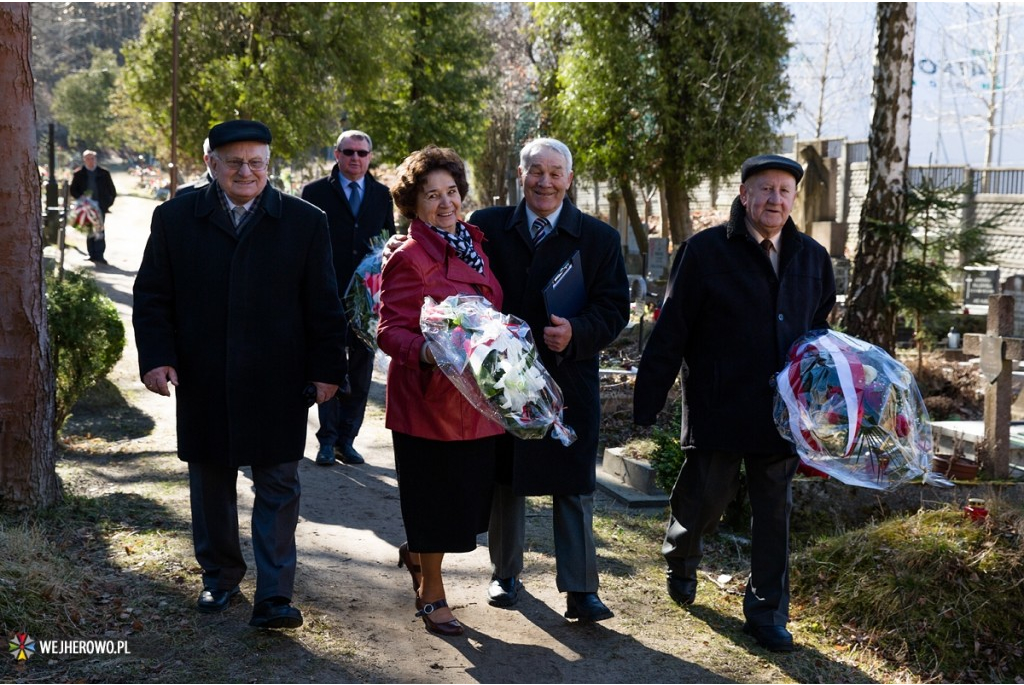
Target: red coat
(421,401)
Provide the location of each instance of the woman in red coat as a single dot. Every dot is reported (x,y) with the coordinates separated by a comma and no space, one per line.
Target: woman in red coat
(444,447)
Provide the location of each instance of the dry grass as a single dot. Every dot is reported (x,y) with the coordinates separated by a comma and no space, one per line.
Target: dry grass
(934,593)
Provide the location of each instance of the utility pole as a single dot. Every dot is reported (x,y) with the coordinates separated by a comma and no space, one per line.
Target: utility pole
(174,103)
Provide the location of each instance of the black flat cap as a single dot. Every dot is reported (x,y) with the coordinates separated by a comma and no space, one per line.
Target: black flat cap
(756,165)
(239,130)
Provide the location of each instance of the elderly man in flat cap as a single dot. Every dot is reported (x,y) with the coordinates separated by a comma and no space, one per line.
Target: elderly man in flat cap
(739,294)
(237,307)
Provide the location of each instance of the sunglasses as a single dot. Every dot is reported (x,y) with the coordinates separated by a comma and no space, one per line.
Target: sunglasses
(348,152)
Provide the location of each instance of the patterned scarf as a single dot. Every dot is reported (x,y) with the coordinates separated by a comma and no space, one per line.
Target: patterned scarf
(462,242)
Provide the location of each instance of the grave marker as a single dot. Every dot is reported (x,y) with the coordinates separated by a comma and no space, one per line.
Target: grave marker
(998,351)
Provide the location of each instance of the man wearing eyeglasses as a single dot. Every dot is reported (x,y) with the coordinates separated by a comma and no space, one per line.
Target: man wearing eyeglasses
(236,306)
(358,209)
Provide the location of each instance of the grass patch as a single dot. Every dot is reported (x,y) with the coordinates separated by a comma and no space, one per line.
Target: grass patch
(38,583)
(932,592)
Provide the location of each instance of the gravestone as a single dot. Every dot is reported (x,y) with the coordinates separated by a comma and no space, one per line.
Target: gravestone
(998,351)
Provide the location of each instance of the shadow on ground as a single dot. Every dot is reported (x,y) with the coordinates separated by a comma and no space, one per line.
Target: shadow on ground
(103,412)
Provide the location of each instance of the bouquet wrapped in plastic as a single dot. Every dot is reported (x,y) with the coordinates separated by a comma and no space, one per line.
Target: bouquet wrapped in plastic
(362,296)
(491,358)
(854,412)
(85,215)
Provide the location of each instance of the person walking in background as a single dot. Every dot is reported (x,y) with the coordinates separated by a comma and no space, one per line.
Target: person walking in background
(236,305)
(94,182)
(739,294)
(527,245)
(358,209)
(444,447)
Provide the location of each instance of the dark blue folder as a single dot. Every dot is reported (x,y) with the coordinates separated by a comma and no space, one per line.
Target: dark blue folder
(565,295)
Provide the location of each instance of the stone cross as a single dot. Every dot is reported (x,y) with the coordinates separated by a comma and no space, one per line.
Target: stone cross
(998,351)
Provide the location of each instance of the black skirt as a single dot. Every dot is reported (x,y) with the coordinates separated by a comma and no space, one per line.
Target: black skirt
(445,489)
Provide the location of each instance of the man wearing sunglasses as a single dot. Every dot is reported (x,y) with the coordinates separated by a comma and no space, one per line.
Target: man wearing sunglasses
(358,209)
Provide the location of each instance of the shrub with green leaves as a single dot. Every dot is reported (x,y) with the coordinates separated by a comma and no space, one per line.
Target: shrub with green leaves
(667,459)
(86,337)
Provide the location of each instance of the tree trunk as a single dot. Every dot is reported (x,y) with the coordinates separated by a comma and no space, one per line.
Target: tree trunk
(27,458)
(870,314)
(635,222)
(677,212)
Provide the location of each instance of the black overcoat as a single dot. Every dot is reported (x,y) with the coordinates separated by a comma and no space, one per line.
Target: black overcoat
(546,467)
(351,235)
(731,320)
(246,321)
(106,193)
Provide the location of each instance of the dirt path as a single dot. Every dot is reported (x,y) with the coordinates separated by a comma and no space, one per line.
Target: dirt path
(358,604)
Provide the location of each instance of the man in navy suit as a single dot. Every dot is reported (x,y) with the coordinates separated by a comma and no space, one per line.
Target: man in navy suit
(358,209)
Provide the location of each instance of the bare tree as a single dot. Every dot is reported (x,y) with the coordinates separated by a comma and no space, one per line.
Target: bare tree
(27,457)
(829,68)
(870,312)
(512,118)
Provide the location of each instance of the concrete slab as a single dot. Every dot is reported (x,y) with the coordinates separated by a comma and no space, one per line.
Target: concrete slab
(948,434)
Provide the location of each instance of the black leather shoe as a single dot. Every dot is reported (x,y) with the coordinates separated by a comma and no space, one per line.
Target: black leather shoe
(213,601)
(682,590)
(503,592)
(347,454)
(325,456)
(275,612)
(772,638)
(586,606)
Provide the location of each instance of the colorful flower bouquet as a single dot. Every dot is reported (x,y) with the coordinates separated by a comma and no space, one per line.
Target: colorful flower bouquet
(362,296)
(854,412)
(85,215)
(491,358)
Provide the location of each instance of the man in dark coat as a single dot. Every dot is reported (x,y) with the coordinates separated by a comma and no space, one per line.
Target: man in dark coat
(359,210)
(739,295)
(527,245)
(236,305)
(95,182)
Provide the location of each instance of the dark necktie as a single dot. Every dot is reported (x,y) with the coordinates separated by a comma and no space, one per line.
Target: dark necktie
(540,230)
(767,246)
(353,198)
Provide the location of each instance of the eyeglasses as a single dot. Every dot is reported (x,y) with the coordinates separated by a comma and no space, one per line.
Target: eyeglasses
(255,164)
(348,152)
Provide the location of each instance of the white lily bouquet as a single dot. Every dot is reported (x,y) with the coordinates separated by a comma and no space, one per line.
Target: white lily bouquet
(492,359)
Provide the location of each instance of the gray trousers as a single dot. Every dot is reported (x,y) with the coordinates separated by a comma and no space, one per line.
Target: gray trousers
(275,513)
(573,521)
(705,486)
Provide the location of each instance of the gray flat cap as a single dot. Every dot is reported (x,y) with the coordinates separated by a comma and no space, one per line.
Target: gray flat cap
(239,130)
(756,165)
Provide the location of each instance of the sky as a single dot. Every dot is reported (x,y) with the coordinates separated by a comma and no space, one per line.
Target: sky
(952,85)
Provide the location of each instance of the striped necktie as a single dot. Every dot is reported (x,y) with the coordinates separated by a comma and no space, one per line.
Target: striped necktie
(238,215)
(540,230)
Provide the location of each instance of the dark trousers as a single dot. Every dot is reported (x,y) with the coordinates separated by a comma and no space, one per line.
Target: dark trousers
(573,523)
(96,246)
(275,513)
(342,417)
(705,486)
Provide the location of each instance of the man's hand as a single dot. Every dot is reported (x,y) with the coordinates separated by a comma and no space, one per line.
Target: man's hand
(160,379)
(324,391)
(558,335)
(393,243)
